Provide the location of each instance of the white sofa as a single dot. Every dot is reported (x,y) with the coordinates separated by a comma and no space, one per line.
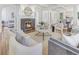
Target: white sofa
(71,40)
(24,45)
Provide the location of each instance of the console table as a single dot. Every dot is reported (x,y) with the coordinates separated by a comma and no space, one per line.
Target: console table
(43,31)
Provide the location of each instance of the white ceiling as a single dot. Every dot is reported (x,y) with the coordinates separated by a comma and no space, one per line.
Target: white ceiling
(58,6)
(7,5)
(46,6)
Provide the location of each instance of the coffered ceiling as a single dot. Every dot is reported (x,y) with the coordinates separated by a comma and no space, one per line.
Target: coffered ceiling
(58,6)
(46,6)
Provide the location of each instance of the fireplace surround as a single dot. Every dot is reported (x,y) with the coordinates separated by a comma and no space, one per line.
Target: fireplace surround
(28,25)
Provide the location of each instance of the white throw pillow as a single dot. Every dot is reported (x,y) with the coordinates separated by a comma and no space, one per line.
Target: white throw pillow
(77,38)
(28,41)
(72,40)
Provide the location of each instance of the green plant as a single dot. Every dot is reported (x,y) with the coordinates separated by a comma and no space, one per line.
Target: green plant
(42,23)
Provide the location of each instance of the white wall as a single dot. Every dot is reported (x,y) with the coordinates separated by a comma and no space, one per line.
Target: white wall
(77,15)
(6,14)
(46,14)
(67,11)
(43,14)
(54,16)
(22,11)
(22,15)
(39,13)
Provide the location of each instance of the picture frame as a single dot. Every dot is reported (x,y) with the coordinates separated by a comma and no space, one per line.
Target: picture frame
(78,15)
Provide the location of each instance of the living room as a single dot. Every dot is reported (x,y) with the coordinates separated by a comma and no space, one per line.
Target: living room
(29,27)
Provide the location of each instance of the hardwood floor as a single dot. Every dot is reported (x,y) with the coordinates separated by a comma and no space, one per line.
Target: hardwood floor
(4,43)
(5,36)
(39,39)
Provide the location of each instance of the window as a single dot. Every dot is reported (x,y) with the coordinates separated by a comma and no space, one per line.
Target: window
(61,16)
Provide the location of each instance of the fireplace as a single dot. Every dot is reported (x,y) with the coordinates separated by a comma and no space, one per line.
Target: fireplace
(28,25)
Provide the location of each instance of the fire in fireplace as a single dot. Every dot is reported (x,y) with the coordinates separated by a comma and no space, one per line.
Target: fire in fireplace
(28,25)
